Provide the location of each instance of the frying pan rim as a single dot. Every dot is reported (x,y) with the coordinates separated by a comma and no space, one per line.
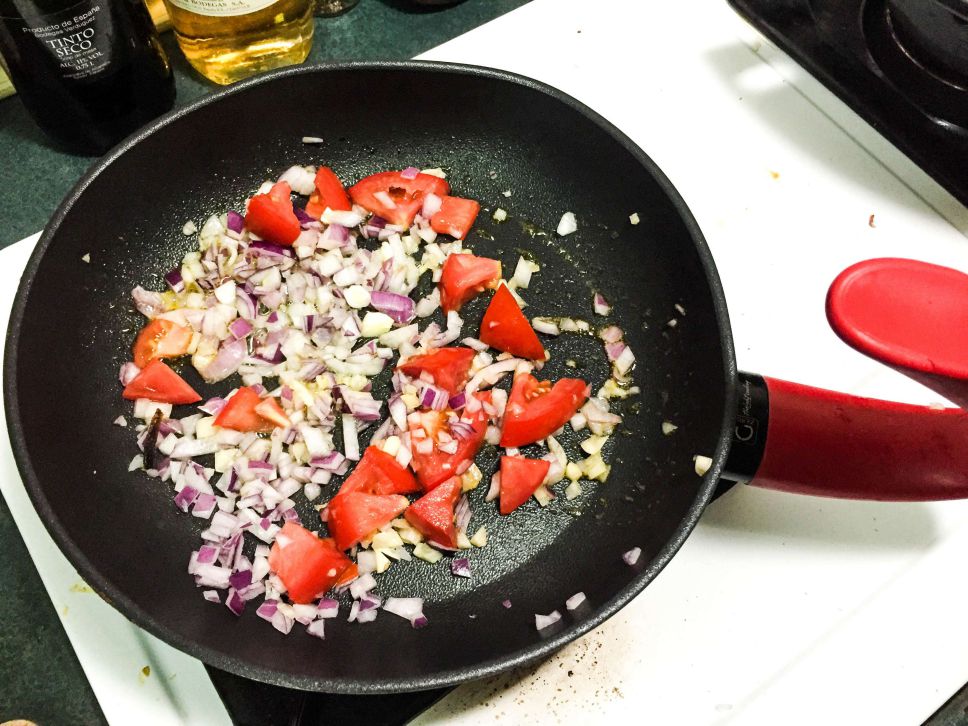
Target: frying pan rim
(540,648)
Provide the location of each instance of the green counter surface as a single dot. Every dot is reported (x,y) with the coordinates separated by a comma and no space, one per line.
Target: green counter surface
(40,677)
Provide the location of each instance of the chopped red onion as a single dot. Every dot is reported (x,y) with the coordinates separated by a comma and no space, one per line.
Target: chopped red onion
(491,374)
(410,608)
(361,585)
(185,497)
(475,344)
(316,629)
(211,596)
(175,281)
(611,334)
(410,172)
(226,362)
(348,219)
(543,621)
(366,616)
(304,218)
(457,402)
(189,448)
(361,404)
(282,622)
(204,505)
(495,489)
(600,305)
(614,350)
(235,602)
(150,304)
(239,328)
(462,514)
(267,609)
(399,307)
(212,576)
(261,247)
(234,221)
(431,205)
(433,397)
(351,444)
(240,579)
(632,556)
(300,179)
(129,371)
(327,608)
(506,604)
(460,567)
(369,601)
(625,361)
(575,600)
(330,462)
(546,326)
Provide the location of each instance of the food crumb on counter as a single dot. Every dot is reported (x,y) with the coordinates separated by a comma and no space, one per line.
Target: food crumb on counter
(870,222)
(189,228)
(775,174)
(86,257)
(311,140)
(634,218)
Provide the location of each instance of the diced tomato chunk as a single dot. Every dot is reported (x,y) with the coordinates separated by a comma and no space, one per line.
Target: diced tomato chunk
(520,478)
(161,339)
(246,410)
(329,193)
(379,473)
(433,514)
(448,366)
(535,410)
(434,466)
(271,411)
(353,516)
(396,199)
(504,327)
(307,565)
(160,383)
(464,276)
(270,216)
(455,217)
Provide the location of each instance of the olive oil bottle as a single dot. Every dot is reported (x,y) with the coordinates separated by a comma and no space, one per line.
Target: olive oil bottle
(227,40)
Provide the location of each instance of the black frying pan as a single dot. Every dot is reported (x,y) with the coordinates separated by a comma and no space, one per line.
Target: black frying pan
(73,324)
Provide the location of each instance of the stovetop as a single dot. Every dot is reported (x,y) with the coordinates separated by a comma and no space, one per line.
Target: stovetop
(852,46)
(250,703)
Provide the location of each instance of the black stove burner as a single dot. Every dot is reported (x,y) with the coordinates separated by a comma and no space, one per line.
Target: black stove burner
(250,703)
(901,64)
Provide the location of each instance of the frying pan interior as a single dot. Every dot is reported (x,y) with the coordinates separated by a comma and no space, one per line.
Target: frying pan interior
(73,324)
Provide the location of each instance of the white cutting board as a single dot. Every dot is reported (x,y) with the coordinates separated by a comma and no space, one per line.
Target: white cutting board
(779,609)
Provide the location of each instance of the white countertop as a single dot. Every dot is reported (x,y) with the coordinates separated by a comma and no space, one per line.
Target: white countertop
(779,608)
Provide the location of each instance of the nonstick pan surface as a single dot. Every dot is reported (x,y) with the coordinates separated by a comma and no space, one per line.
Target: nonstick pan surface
(73,324)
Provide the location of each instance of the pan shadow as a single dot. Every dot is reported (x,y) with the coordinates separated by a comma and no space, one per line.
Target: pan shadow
(778,103)
(824,523)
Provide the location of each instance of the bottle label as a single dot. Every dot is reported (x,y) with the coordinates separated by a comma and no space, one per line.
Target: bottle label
(222,8)
(78,39)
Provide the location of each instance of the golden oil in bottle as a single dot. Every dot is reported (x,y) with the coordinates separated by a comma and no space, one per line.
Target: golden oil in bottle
(227,40)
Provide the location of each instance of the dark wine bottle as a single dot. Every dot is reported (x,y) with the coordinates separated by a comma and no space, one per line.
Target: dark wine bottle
(90,72)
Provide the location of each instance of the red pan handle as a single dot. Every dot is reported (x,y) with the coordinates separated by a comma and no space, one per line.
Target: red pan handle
(909,315)
(796,438)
